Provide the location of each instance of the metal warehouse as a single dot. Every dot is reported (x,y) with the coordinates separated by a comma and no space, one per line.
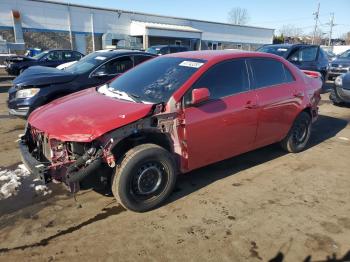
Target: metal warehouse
(47,24)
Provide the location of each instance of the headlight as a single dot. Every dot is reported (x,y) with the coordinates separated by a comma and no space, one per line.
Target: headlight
(26,93)
(339,81)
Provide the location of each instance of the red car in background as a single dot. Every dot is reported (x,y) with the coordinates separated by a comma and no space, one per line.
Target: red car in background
(167,116)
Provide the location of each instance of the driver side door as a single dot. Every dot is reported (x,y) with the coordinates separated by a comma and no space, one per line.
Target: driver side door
(226,124)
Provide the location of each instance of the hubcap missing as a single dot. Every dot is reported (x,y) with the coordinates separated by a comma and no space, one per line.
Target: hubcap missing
(149,179)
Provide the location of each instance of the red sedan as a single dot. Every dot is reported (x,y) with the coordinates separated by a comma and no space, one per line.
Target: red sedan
(168,116)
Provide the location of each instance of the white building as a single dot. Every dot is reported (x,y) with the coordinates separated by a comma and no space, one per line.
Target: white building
(47,24)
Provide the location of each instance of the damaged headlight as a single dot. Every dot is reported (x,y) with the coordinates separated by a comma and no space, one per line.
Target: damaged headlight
(57,150)
(26,93)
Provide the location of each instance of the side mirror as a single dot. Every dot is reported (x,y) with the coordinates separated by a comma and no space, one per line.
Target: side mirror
(200,95)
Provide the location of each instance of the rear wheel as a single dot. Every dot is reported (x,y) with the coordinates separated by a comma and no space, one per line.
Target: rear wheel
(333,96)
(298,136)
(144,178)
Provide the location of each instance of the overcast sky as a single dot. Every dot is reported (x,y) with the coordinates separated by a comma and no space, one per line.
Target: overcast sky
(265,13)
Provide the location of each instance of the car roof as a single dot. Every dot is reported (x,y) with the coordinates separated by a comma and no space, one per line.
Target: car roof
(289,45)
(220,54)
(114,52)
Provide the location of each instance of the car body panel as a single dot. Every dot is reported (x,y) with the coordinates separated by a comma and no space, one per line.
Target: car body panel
(198,134)
(86,115)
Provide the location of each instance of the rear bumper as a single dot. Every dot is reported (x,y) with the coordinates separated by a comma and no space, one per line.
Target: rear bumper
(35,167)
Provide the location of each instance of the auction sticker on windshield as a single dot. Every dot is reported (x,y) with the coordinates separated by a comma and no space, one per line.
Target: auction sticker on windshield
(191,64)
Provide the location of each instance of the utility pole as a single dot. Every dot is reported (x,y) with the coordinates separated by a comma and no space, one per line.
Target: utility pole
(316,14)
(331,24)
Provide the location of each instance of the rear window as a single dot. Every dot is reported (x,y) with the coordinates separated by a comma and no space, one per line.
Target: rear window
(269,72)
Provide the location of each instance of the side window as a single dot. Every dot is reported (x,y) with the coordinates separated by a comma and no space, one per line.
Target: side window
(224,79)
(54,56)
(304,54)
(67,55)
(267,72)
(288,75)
(164,50)
(138,59)
(174,49)
(76,56)
(117,66)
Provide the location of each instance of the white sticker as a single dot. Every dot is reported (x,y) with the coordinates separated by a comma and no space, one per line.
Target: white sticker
(191,64)
(100,58)
(282,49)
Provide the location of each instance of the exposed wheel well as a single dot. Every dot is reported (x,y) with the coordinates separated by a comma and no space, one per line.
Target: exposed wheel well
(308,110)
(158,138)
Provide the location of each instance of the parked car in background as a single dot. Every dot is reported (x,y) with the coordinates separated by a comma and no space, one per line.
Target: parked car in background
(331,56)
(340,65)
(170,115)
(340,93)
(306,57)
(32,52)
(166,49)
(51,58)
(39,85)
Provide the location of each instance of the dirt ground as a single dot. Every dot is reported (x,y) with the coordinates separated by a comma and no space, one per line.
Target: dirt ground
(265,205)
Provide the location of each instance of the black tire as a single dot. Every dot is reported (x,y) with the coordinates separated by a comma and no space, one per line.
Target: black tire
(144,177)
(299,135)
(333,96)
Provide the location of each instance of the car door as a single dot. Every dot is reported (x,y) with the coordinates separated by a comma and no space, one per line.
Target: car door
(278,98)
(225,125)
(68,56)
(111,69)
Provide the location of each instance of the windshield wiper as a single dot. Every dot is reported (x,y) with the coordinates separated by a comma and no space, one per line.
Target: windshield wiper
(134,97)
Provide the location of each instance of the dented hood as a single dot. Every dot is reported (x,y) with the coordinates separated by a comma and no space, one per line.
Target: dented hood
(86,115)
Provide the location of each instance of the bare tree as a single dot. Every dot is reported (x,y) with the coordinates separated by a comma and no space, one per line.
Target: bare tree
(291,31)
(238,16)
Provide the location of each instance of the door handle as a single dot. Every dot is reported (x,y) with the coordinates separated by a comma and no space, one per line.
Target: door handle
(251,105)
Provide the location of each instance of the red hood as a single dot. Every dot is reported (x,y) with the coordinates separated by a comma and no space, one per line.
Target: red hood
(86,115)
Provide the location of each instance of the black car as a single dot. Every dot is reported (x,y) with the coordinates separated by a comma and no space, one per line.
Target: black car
(166,49)
(51,58)
(39,85)
(306,57)
(340,93)
(340,65)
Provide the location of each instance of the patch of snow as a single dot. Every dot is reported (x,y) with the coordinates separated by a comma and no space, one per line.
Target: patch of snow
(13,181)
(10,180)
(42,189)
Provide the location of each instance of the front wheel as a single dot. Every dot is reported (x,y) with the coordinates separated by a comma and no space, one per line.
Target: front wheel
(145,178)
(298,136)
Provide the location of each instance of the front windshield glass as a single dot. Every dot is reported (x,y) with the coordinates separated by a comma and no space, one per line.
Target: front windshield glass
(153,50)
(276,50)
(87,63)
(156,80)
(346,54)
(42,54)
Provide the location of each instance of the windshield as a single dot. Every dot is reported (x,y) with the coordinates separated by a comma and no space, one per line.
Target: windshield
(87,63)
(277,50)
(42,54)
(153,50)
(156,80)
(346,54)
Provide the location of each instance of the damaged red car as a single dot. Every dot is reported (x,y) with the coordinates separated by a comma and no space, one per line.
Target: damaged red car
(168,116)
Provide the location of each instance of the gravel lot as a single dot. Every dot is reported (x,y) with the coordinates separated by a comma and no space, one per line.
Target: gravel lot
(260,206)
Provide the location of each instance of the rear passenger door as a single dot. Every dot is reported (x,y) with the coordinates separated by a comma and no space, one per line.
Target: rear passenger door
(225,125)
(278,99)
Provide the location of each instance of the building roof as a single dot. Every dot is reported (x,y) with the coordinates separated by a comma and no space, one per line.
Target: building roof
(167,26)
(141,13)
